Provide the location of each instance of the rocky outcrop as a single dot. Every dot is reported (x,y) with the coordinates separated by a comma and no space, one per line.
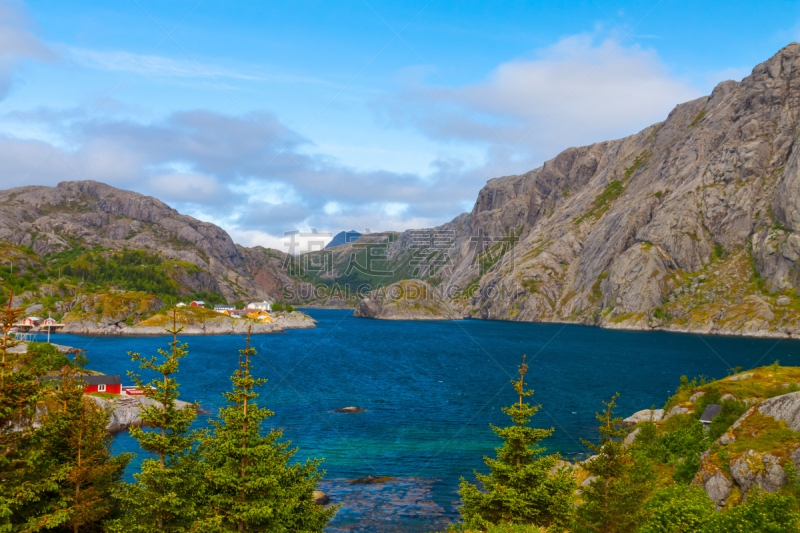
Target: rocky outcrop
(406,300)
(107,312)
(763,470)
(125,411)
(645,415)
(785,408)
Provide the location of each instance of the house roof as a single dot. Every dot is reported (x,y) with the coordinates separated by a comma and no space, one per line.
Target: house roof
(711,411)
(103,379)
(201,302)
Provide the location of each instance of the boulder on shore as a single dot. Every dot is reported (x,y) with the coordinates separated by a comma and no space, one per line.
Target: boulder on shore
(320,498)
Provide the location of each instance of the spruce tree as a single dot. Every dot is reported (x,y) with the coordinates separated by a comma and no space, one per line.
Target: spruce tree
(74,434)
(26,479)
(524,486)
(614,501)
(250,483)
(164,495)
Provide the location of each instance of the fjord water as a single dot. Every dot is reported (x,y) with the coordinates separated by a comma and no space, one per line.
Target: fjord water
(431,389)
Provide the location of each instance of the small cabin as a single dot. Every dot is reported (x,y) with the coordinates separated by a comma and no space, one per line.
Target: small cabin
(49,321)
(111,384)
(708,415)
(31,321)
(198,303)
(180,304)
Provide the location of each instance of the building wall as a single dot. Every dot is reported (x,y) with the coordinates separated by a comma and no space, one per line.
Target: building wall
(111,389)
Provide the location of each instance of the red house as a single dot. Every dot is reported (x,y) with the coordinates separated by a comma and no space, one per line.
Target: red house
(109,384)
(31,321)
(102,383)
(198,303)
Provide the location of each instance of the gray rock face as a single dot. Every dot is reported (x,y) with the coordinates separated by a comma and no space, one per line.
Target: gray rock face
(644,415)
(755,469)
(631,437)
(677,410)
(786,408)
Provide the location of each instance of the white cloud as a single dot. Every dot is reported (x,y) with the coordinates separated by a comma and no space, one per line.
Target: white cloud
(576,92)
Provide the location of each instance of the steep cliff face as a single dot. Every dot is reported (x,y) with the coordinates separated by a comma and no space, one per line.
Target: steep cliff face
(95,215)
(620,233)
(613,232)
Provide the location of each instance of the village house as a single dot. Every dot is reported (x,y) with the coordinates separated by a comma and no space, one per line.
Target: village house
(198,303)
(266,305)
(222,308)
(111,384)
(31,321)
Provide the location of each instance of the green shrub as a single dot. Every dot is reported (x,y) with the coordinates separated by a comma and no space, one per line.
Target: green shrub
(762,512)
(678,509)
(46,356)
(780,390)
(682,446)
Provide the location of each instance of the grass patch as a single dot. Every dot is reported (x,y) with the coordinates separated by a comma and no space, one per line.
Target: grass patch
(700,116)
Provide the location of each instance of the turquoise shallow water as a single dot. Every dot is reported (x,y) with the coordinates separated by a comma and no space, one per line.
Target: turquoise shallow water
(431,389)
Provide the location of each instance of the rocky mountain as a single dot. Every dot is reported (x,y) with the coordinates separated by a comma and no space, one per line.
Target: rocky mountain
(86,215)
(690,224)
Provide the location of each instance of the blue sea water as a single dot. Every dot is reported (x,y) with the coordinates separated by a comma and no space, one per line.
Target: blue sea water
(431,389)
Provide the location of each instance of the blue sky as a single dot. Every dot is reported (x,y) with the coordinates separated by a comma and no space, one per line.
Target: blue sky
(265,117)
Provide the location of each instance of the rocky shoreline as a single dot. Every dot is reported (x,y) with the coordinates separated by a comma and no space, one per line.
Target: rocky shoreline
(217,325)
(125,411)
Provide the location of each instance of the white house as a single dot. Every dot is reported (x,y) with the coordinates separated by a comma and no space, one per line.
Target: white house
(266,305)
(180,304)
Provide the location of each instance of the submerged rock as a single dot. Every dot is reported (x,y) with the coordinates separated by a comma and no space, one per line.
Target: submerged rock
(350,409)
(370,480)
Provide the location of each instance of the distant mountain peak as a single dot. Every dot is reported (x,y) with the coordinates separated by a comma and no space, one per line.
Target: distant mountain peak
(343,237)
